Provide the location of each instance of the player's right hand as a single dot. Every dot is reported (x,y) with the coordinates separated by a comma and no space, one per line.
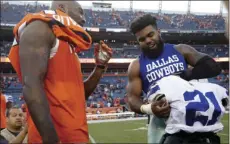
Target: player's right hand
(161,108)
(102,53)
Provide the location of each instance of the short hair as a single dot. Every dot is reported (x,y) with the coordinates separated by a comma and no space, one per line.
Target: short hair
(141,22)
(8,110)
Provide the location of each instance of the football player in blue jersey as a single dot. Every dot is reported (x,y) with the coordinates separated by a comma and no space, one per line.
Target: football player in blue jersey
(157,60)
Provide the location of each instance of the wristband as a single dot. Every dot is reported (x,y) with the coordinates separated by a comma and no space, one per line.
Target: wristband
(101,66)
(147,109)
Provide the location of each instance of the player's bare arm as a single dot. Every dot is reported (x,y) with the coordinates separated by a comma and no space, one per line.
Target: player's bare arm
(204,66)
(91,82)
(134,90)
(35,44)
(134,87)
(102,55)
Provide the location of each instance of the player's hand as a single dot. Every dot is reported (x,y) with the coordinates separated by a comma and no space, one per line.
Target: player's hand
(102,53)
(25,128)
(161,108)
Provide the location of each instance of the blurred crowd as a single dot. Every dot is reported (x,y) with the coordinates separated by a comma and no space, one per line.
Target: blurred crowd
(109,93)
(11,13)
(132,51)
(115,18)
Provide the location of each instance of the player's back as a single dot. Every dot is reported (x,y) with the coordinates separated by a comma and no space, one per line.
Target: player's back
(195,106)
(63,83)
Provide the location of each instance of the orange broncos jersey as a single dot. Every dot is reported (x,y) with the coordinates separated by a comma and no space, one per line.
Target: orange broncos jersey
(3,111)
(63,83)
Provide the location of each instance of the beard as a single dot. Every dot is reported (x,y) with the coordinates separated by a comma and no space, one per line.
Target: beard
(153,53)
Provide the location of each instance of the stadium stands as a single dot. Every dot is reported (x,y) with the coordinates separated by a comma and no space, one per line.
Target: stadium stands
(132,51)
(11,14)
(110,92)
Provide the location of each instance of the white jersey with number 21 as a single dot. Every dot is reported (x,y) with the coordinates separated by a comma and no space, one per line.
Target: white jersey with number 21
(195,106)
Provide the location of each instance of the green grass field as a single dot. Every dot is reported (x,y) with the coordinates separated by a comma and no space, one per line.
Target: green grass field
(133,132)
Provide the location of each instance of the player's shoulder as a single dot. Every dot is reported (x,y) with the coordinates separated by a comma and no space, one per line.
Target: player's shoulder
(184,48)
(134,67)
(33,27)
(134,63)
(181,46)
(31,33)
(34,24)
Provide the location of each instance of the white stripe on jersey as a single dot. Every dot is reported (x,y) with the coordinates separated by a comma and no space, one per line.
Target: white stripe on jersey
(14,42)
(21,28)
(49,12)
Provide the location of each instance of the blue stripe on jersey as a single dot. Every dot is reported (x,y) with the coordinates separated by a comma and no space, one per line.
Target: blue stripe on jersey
(153,90)
(168,63)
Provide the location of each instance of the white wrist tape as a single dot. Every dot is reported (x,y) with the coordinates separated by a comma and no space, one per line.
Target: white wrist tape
(146,108)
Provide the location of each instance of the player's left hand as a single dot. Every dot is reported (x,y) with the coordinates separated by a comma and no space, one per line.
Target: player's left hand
(161,108)
(102,53)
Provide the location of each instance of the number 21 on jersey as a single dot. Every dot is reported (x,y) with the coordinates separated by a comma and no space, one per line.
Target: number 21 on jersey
(202,106)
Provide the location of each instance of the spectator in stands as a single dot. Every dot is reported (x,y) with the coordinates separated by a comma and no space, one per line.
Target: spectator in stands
(108,104)
(118,110)
(226,80)
(14,132)
(98,111)
(9,102)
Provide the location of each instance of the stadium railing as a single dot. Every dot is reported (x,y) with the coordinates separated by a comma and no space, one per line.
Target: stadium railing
(110,116)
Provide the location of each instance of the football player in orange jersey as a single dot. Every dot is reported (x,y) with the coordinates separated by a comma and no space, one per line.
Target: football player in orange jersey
(44,56)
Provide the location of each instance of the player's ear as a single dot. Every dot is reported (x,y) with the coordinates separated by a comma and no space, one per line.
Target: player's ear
(63,7)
